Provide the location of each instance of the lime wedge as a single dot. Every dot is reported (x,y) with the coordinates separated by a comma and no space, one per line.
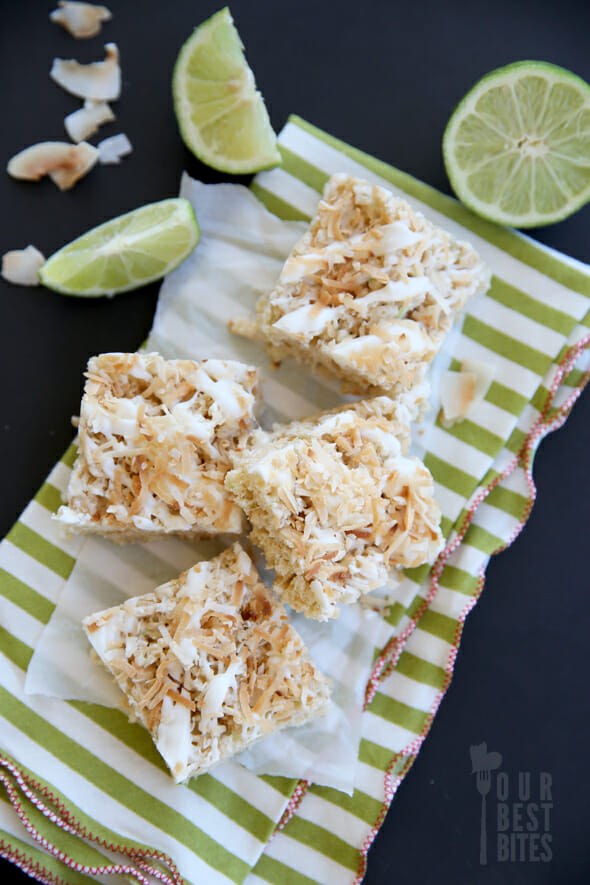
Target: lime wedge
(126,252)
(222,116)
(517,147)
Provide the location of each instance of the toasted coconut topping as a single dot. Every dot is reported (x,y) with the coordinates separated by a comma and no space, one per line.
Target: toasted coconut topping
(84,122)
(154,443)
(206,675)
(370,290)
(64,163)
(335,504)
(21,266)
(81,20)
(461,391)
(110,150)
(99,81)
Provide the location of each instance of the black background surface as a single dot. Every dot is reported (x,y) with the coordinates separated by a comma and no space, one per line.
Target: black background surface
(383,76)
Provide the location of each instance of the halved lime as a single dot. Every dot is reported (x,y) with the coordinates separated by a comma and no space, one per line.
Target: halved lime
(517,147)
(126,252)
(222,117)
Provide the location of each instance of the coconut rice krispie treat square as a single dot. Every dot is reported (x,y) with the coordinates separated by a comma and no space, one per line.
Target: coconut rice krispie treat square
(153,443)
(336,506)
(370,291)
(209,663)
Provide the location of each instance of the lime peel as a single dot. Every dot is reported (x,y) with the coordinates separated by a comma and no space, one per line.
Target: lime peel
(517,146)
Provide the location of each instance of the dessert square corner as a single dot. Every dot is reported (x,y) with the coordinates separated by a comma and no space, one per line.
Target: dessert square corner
(209,663)
(336,505)
(153,443)
(370,291)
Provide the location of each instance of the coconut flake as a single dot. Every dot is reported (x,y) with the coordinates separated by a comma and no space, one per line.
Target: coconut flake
(457,392)
(484,375)
(84,122)
(100,80)
(110,150)
(66,177)
(21,266)
(461,391)
(80,19)
(64,163)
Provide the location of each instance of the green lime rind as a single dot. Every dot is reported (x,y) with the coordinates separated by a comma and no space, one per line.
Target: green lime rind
(221,115)
(517,146)
(126,252)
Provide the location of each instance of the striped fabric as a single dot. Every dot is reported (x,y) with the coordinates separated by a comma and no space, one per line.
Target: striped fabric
(90,787)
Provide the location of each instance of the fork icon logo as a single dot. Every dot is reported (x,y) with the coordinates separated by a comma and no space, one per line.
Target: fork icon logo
(482,765)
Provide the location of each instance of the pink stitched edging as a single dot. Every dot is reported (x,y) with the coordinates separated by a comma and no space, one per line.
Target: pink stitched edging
(292,806)
(30,788)
(542,426)
(55,852)
(28,865)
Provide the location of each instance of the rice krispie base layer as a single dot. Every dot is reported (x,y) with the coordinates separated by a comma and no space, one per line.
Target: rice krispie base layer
(335,505)
(153,443)
(209,663)
(370,291)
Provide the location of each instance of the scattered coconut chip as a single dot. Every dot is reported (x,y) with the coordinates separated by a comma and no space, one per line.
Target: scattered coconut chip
(457,393)
(110,150)
(21,266)
(66,177)
(100,80)
(64,163)
(461,391)
(84,122)
(81,20)
(484,375)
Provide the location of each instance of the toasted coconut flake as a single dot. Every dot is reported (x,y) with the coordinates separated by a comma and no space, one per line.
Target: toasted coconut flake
(457,395)
(484,375)
(461,391)
(34,162)
(110,150)
(64,163)
(81,20)
(85,158)
(84,122)
(21,266)
(100,80)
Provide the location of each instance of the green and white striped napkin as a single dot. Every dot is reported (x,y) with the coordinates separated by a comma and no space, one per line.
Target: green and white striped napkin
(90,788)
